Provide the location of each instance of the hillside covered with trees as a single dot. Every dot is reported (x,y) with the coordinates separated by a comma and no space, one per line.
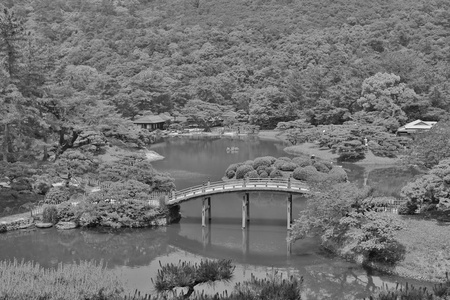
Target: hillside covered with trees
(73,67)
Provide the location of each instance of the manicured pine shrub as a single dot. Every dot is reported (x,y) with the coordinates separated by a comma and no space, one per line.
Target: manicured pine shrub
(337,174)
(276,174)
(307,173)
(253,174)
(285,158)
(242,170)
(321,167)
(230,174)
(263,174)
(302,162)
(232,167)
(264,161)
(261,169)
(288,166)
(50,214)
(270,170)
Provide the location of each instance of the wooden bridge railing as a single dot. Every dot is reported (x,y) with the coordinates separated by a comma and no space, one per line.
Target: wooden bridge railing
(244,184)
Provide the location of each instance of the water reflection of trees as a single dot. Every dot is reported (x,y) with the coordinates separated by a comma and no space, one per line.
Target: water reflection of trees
(390,181)
(134,247)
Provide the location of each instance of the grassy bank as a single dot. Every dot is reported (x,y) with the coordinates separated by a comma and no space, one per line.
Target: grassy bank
(427,249)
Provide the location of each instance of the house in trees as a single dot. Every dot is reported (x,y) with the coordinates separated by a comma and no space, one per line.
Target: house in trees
(151,122)
(415,127)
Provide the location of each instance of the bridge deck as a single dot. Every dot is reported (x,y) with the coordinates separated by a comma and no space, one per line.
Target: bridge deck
(247,185)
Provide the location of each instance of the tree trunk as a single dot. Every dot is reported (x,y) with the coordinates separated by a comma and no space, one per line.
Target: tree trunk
(5,143)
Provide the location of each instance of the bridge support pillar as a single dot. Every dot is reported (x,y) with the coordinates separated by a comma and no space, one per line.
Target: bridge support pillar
(245,210)
(209,208)
(206,208)
(289,211)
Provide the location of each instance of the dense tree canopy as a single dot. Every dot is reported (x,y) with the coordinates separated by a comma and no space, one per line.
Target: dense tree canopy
(71,66)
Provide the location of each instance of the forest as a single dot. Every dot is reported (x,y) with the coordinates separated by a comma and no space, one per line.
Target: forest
(76,72)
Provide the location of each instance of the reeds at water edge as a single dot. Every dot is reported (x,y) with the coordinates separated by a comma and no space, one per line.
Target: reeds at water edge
(83,280)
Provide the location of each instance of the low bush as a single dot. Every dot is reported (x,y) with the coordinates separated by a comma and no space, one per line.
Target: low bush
(264,161)
(264,175)
(242,170)
(117,214)
(50,214)
(337,174)
(321,167)
(285,159)
(232,170)
(407,208)
(288,166)
(3,228)
(230,174)
(57,195)
(428,208)
(253,174)
(305,174)
(302,162)
(328,164)
(276,174)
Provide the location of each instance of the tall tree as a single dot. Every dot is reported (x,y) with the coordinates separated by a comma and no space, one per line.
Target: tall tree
(11,34)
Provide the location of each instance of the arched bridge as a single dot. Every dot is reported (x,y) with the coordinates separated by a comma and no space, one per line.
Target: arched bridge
(246,185)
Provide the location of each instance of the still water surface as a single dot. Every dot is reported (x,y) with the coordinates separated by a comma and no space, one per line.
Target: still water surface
(261,248)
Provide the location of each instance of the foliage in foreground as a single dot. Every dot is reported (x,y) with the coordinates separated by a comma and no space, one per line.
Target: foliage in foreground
(439,291)
(67,281)
(432,188)
(185,274)
(343,217)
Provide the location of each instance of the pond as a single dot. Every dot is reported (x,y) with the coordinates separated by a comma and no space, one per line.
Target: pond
(259,249)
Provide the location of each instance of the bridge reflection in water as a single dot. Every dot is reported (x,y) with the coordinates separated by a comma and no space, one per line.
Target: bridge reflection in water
(207,238)
(247,185)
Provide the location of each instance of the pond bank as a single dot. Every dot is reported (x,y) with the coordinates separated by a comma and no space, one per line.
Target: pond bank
(326,154)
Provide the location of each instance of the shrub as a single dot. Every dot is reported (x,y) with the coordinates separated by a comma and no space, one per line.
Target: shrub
(337,174)
(230,174)
(57,195)
(288,166)
(321,167)
(278,163)
(276,174)
(264,161)
(3,228)
(50,214)
(407,208)
(301,161)
(242,170)
(233,167)
(264,175)
(328,164)
(427,208)
(253,174)
(285,158)
(305,174)
(261,169)
(270,169)
(249,162)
